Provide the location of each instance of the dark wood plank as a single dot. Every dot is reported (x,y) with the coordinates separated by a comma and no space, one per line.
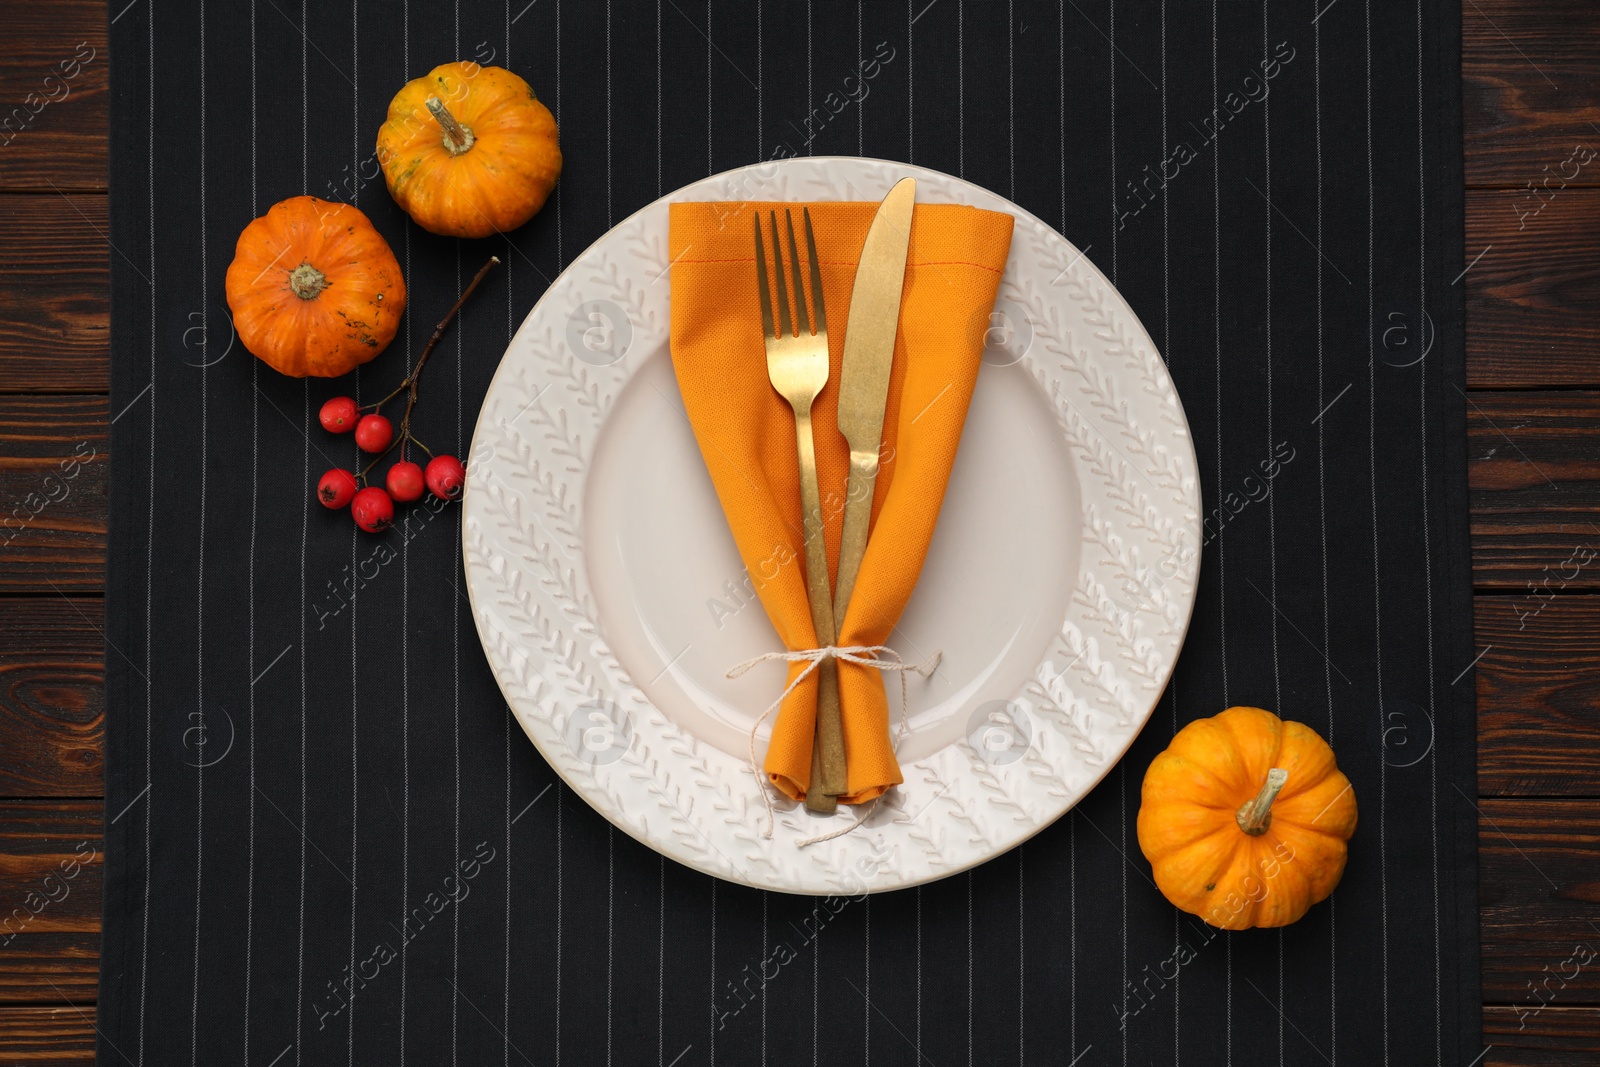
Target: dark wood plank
(51,872)
(47,1035)
(1534,473)
(1529,325)
(1552,1037)
(1533,300)
(1538,887)
(54,88)
(55,300)
(53,505)
(1535,493)
(1538,681)
(52,697)
(1539,879)
(51,968)
(50,887)
(1531,87)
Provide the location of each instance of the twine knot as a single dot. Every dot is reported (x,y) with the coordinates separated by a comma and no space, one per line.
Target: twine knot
(861,656)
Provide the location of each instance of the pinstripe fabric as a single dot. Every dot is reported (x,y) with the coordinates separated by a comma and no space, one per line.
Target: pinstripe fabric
(405,653)
(149,549)
(1377,555)
(255,500)
(304,913)
(1322,530)
(355,547)
(200,580)
(296,1046)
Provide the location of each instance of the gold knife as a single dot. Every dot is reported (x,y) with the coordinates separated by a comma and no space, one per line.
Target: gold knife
(864,379)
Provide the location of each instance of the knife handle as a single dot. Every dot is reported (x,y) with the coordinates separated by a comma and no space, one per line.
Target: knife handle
(853,539)
(828,765)
(816,799)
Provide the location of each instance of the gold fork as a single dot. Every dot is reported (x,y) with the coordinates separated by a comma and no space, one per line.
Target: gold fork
(797,364)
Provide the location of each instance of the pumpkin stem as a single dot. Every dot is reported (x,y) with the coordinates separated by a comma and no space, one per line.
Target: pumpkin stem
(306,281)
(1256,815)
(457,138)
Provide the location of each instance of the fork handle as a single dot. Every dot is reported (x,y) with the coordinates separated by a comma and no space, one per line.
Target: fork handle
(830,768)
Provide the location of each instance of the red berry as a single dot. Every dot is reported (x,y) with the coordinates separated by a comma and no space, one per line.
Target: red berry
(337,488)
(405,481)
(373,433)
(373,510)
(338,415)
(445,477)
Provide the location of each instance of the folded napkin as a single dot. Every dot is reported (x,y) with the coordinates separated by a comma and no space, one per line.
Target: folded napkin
(747,436)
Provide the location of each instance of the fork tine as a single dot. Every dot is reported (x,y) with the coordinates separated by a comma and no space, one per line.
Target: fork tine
(784,330)
(783,283)
(799,286)
(761,281)
(818,310)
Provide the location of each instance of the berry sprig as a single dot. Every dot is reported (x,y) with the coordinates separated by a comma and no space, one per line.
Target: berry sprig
(372,506)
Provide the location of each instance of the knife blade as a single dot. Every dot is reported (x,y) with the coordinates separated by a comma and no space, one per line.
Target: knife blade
(864,379)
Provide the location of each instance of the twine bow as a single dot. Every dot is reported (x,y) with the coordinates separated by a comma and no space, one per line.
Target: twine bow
(861,656)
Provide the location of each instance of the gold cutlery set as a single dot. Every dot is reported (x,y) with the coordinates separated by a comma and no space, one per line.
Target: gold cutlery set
(798,367)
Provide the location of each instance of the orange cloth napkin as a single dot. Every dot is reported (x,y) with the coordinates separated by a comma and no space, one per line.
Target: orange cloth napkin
(747,436)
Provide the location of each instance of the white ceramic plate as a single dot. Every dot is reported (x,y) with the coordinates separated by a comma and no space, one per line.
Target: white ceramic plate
(610,601)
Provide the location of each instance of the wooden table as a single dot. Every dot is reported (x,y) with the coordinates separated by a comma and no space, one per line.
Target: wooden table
(1532,83)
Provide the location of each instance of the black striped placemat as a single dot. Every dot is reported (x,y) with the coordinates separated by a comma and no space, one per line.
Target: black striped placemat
(1275,187)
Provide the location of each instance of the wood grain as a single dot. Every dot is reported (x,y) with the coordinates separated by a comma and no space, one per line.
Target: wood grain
(1539,876)
(50,886)
(1538,682)
(51,968)
(1530,325)
(55,302)
(52,697)
(53,504)
(47,1035)
(1530,87)
(1535,682)
(1534,473)
(53,85)
(1533,299)
(52,869)
(1554,1037)
(1538,887)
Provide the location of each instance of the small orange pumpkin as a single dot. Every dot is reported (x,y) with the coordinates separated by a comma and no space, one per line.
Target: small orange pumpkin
(314,289)
(469,151)
(1246,819)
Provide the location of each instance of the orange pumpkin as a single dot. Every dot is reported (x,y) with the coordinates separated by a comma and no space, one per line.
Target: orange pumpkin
(314,289)
(469,151)
(1245,819)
